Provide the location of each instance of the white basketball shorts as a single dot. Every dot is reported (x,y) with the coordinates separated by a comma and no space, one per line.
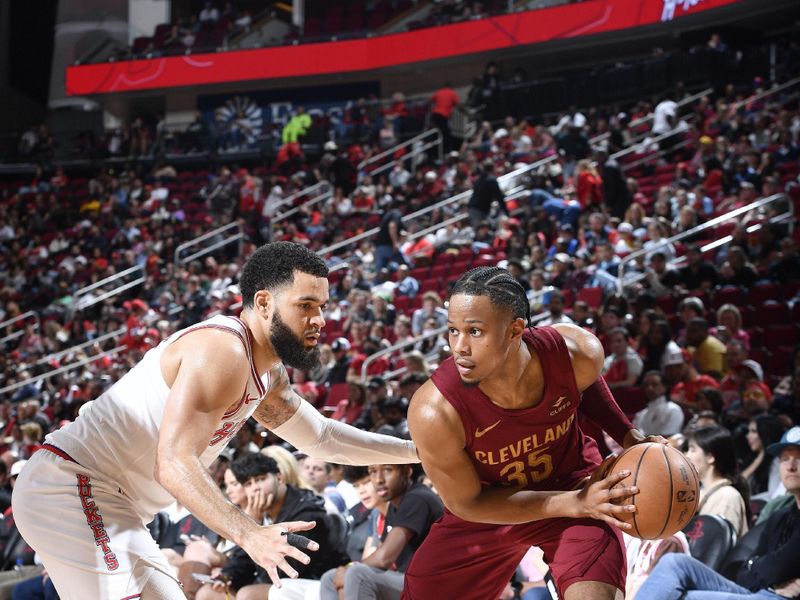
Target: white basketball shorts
(87,533)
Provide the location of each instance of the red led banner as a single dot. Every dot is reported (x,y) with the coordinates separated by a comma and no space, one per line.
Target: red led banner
(519,29)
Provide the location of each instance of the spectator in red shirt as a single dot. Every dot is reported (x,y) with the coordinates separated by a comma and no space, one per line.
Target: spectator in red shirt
(376,367)
(444,102)
(349,409)
(589,185)
(681,372)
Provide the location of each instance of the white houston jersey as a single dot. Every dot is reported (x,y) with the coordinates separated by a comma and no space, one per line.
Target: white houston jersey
(116,436)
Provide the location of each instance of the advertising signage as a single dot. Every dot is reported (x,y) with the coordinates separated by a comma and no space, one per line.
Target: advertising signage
(367,54)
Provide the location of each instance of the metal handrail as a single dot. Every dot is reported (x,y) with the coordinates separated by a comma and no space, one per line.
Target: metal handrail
(306,191)
(81,346)
(310,202)
(703,226)
(418,140)
(773,90)
(202,238)
(507,178)
(650,116)
(23,317)
(228,240)
(81,363)
(86,302)
(654,140)
(460,197)
(394,347)
(98,284)
(656,155)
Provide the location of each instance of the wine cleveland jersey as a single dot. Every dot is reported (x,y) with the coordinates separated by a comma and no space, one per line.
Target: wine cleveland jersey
(117,434)
(538,448)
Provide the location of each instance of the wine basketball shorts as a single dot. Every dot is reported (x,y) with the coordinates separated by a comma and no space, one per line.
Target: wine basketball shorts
(475,561)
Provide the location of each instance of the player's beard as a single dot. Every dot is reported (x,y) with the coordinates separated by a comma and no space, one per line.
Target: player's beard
(290,348)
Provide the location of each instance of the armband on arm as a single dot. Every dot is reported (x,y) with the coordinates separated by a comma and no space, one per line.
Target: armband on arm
(336,442)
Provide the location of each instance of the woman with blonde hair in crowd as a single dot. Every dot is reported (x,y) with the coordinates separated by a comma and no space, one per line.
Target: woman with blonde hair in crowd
(288,466)
(636,215)
(729,325)
(416,362)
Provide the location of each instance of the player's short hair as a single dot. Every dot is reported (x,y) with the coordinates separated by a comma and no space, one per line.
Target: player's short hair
(272,266)
(252,465)
(497,284)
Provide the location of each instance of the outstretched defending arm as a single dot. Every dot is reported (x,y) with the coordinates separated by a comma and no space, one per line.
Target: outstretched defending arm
(296,421)
(210,368)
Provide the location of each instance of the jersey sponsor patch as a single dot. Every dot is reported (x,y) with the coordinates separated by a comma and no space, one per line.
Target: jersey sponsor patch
(562,403)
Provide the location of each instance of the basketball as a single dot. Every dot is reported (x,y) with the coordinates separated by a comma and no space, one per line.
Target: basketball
(668,489)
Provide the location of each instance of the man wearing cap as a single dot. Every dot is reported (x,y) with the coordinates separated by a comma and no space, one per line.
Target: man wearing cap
(338,372)
(771,572)
(661,278)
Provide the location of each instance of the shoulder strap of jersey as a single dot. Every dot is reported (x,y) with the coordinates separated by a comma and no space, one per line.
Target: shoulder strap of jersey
(448,382)
(240,330)
(553,354)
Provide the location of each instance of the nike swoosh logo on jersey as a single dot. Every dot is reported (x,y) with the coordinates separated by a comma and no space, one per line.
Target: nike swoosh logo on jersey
(481,432)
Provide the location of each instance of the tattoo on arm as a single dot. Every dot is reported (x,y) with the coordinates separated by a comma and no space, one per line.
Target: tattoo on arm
(281,401)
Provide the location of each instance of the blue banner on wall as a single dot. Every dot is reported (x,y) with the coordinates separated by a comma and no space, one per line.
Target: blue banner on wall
(248,116)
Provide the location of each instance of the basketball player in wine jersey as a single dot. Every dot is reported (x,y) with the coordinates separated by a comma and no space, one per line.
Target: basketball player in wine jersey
(497,429)
(82,502)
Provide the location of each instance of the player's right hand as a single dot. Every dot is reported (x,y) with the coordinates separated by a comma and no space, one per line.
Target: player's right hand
(599,496)
(268,546)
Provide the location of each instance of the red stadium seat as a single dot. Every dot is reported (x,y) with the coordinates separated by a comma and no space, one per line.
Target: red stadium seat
(593,296)
(781,335)
(771,312)
(728,295)
(337,392)
(762,292)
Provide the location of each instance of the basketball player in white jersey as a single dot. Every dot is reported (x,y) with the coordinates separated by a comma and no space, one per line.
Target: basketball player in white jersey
(82,502)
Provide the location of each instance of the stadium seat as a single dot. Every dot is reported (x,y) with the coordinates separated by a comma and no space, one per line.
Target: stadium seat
(761,292)
(337,392)
(744,549)
(402,303)
(770,312)
(711,538)
(781,335)
(728,294)
(593,296)
(780,359)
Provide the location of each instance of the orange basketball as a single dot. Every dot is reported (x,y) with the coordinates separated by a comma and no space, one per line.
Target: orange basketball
(668,489)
